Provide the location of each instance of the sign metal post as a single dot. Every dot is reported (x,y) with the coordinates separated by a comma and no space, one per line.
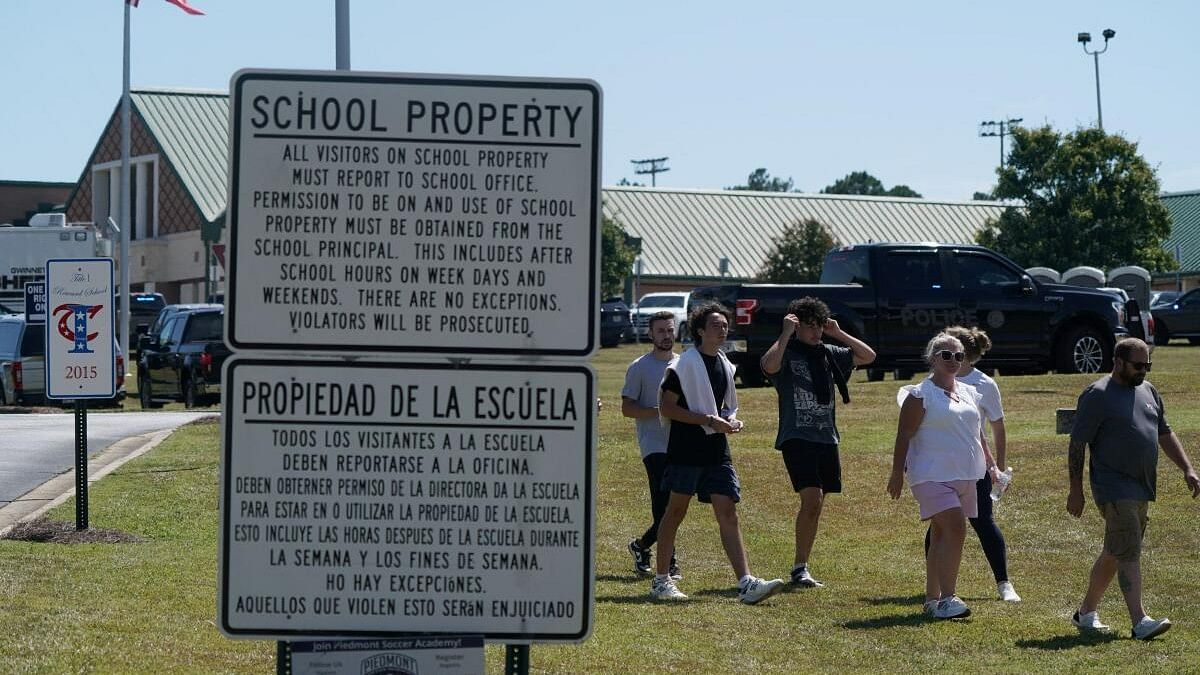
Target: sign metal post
(80,358)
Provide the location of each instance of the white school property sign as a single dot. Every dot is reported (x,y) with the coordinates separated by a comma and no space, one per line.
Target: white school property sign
(413,213)
(378,499)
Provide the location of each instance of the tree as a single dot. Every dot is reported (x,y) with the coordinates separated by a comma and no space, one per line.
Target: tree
(863,183)
(798,255)
(761,181)
(903,191)
(1089,199)
(626,182)
(618,250)
(983,197)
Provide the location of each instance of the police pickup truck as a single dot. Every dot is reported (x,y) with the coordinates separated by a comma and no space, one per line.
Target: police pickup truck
(896,296)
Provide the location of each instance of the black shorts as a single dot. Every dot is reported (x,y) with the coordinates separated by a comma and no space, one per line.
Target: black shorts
(813,465)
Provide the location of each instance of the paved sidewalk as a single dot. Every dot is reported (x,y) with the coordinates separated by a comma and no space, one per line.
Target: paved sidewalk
(62,487)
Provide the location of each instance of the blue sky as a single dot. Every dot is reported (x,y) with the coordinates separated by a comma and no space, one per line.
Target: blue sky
(809,90)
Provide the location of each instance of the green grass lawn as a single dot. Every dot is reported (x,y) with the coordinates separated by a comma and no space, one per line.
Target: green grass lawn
(150,606)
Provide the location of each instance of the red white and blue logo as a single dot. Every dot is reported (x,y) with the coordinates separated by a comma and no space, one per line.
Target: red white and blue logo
(77,332)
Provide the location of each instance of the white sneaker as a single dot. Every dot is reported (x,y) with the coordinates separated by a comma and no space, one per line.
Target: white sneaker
(1006,591)
(666,590)
(1148,628)
(757,590)
(929,607)
(951,608)
(1089,621)
(802,577)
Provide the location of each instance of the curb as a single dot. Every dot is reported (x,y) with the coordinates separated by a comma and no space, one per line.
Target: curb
(62,487)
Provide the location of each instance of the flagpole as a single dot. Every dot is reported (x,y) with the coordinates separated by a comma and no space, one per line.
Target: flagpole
(124,201)
(342,34)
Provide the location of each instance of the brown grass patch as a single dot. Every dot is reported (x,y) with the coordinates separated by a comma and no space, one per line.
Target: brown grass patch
(48,531)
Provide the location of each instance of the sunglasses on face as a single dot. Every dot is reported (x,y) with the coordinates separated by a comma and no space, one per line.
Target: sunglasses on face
(1140,365)
(946,355)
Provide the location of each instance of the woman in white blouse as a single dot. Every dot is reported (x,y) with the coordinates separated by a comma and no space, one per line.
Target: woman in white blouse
(939,445)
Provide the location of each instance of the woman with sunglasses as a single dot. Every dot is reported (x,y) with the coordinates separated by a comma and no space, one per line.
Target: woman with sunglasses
(975,344)
(941,448)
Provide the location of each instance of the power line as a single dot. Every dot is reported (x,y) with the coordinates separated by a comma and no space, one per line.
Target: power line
(1005,127)
(655,167)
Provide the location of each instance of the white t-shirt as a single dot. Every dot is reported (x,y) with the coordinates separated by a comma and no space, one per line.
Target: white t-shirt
(989,402)
(946,446)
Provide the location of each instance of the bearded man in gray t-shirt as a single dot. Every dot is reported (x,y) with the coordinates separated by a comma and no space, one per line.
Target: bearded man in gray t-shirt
(1122,419)
(639,400)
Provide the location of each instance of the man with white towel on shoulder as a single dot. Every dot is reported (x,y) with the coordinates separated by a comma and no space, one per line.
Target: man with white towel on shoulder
(699,402)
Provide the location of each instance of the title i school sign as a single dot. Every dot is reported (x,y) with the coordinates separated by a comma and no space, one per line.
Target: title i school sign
(375,212)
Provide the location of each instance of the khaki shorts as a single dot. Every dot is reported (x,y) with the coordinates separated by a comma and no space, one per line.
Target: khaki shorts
(1124,527)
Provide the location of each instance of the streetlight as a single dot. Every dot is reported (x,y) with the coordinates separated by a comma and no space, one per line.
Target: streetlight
(1084,39)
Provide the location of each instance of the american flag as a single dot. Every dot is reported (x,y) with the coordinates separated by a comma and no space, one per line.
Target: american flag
(181,4)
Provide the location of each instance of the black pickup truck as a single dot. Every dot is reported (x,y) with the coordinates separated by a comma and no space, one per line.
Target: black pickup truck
(896,296)
(182,360)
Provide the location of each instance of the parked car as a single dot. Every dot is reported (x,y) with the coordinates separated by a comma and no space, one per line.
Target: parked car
(23,364)
(165,313)
(653,303)
(182,361)
(1158,298)
(1180,319)
(614,321)
(1139,321)
(143,308)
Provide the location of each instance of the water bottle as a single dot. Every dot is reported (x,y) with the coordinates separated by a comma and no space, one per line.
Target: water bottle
(1000,484)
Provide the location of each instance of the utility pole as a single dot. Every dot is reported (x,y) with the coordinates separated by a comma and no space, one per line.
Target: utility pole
(999,128)
(655,167)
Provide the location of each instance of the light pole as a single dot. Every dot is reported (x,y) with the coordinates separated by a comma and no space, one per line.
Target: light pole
(1084,39)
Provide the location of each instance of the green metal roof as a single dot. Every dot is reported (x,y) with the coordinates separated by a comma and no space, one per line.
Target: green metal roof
(192,128)
(685,232)
(1184,208)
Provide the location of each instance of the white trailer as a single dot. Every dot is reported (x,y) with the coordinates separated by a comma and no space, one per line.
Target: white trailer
(25,250)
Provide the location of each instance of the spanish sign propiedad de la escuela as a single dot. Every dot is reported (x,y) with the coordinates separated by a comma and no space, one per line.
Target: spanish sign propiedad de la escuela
(383,498)
(445,214)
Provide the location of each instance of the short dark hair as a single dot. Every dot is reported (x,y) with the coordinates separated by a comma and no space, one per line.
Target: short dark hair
(699,315)
(809,310)
(664,315)
(1127,346)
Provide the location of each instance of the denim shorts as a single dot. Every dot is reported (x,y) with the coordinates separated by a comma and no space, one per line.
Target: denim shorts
(703,481)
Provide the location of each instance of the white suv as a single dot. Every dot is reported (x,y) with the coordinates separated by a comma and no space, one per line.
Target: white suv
(652,303)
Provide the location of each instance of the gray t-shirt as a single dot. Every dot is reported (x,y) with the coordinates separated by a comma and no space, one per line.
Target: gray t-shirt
(642,382)
(1121,425)
(801,416)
